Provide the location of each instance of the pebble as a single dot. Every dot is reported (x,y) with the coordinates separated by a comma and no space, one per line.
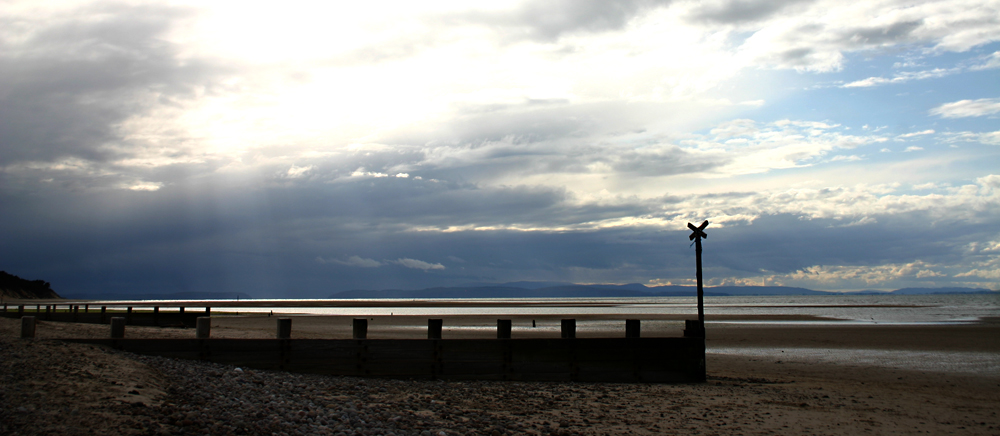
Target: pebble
(218,399)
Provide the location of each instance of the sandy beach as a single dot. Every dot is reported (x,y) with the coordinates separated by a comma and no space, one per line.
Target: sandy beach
(764,378)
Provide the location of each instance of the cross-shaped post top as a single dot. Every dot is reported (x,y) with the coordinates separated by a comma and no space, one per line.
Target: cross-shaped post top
(698,232)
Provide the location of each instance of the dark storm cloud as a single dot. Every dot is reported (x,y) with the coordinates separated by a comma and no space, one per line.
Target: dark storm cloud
(785,243)
(72,78)
(741,11)
(548,20)
(264,239)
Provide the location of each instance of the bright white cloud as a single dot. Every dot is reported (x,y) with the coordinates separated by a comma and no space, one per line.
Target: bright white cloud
(360,172)
(915,134)
(989,138)
(968,108)
(749,147)
(145,186)
(989,62)
(858,276)
(296,172)
(902,78)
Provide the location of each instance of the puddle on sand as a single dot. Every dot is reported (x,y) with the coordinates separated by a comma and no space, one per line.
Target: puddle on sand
(937,361)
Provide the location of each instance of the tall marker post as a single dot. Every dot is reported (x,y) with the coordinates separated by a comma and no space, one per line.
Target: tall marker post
(698,233)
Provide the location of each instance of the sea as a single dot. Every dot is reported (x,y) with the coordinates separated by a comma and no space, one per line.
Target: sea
(942,309)
(839,309)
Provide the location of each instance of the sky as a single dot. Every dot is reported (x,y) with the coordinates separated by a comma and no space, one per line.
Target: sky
(299,149)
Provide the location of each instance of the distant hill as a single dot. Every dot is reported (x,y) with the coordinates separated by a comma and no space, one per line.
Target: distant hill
(12,286)
(521,285)
(530,290)
(171,296)
(491,292)
(926,291)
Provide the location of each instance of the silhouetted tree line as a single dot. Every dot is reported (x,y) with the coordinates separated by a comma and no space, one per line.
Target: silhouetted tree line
(15,287)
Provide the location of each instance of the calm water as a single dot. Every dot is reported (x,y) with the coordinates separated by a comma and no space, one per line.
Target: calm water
(867,309)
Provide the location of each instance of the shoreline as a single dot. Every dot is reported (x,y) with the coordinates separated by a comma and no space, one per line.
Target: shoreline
(746,393)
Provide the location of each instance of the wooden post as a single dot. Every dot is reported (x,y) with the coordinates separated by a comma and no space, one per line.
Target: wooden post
(360,326)
(27,327)
(632,328)
(697,235)
(128,315)
(182,310)
(568,328)
(20,310)
(104,312)
(117,327)
(156,315)
(86,308)
(434,328)
(76,312)
(203,329)
(38,308)
(208,311)
(284,328)
(48,312)
(503,329)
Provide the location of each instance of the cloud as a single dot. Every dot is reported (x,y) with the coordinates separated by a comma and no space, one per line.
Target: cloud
(360,172)
(914,134)
(355,261)
(815,36)
(296,172)
(860,276)
(417,264)
(144,186)
(903,77)
(968,108)
(988,138)
(74,78)
(748,147)
(989,62)
(862,222)
(740,11)
(548,20)
(149,146)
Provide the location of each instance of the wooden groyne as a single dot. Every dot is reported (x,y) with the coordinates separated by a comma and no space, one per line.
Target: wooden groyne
(100,314)
(629,359)
(591,359)
(625,359)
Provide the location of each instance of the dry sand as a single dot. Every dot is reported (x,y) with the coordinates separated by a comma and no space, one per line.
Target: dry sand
(746,393)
